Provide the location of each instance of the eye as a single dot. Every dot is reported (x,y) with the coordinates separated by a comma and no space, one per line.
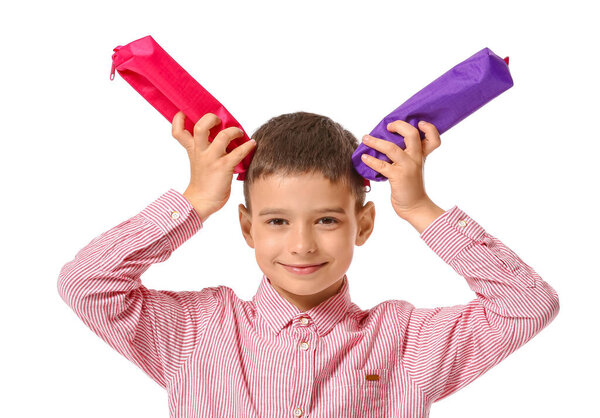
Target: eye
(332,219)
(274,219)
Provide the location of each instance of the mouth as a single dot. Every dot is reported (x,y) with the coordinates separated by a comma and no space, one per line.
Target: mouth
(307,269)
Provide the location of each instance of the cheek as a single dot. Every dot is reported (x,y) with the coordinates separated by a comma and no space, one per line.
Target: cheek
(267,242)
(340,241)
(346,234)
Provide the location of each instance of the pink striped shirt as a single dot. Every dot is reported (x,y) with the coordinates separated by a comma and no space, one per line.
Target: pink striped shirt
(220,356)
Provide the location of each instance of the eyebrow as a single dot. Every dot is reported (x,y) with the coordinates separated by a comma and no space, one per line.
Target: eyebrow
(271,211)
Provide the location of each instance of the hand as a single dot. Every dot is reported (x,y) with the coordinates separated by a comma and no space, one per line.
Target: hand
(405,174)
(211,167)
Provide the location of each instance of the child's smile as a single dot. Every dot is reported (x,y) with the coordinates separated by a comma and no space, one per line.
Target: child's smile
(303,269)
(304,220)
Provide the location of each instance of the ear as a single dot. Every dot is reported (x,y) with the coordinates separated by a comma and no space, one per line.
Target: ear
(246,224)
(366,223)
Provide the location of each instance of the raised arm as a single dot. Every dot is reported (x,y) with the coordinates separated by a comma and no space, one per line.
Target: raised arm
(155,329)
(446,348)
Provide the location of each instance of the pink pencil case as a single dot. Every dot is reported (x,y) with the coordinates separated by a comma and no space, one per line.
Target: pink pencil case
(169,88)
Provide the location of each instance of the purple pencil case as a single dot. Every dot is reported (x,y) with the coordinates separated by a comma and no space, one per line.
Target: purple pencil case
(446,101)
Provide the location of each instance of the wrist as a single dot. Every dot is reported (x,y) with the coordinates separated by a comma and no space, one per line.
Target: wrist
(202,213)
(423,215)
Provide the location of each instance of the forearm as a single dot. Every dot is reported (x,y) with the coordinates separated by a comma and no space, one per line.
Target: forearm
(422,217)
(113,262)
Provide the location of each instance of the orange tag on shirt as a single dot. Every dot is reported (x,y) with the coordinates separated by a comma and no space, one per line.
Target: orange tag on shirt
(372,377)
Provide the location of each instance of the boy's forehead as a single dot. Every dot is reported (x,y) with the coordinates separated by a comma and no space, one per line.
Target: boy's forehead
(299,192)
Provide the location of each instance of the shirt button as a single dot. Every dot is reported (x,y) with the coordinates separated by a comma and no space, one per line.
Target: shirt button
(304,346)
(304,321)
(298,412)
(174,215)
(462,222)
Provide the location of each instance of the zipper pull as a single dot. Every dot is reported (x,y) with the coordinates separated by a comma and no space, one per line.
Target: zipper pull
(112,70)
(112,67)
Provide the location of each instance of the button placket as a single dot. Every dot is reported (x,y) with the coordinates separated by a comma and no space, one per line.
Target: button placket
(306,336)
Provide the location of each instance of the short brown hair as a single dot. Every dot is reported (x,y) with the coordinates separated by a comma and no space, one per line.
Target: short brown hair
(305,143)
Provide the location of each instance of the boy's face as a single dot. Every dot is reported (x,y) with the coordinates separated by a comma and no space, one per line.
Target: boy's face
(297,232)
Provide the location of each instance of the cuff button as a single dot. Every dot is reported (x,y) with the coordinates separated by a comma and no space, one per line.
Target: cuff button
(174,215)
(462,222)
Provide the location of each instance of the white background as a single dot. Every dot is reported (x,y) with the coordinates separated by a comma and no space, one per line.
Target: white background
(81,153)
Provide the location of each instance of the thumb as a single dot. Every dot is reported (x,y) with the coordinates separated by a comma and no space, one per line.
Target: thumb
(429,146)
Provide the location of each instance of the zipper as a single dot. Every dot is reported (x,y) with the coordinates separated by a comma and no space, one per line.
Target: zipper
(112,70)
(112,67)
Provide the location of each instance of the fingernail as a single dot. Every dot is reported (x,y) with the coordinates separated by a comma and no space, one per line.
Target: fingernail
(422,123)
(364,156)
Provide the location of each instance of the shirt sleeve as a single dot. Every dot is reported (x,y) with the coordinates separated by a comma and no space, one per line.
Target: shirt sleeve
(446,348)
(155,329)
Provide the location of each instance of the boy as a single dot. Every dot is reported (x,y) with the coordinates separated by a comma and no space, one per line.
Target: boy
(300,347)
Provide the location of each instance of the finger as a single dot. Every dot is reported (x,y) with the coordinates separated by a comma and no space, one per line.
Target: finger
(432,137)
(223,138)
(179,132)
(393,151)
(377,165)
(202,129)
(239,153)
(412,139)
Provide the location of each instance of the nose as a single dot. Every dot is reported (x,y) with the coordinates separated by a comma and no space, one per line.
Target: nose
(301,240)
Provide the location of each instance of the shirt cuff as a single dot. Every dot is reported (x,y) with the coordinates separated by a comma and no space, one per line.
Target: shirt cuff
(451,232)
(175,216)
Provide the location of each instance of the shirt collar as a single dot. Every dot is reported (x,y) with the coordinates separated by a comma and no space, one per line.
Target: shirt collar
(278,312)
